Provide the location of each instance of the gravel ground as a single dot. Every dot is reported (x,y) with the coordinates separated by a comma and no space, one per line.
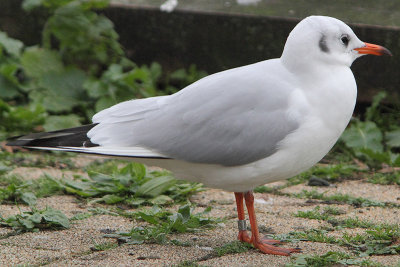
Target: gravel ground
(72,247)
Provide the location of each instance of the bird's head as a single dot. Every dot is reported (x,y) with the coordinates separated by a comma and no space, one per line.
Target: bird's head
(327,40)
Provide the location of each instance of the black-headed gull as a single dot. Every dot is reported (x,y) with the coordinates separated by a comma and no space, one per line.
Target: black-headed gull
(239,128)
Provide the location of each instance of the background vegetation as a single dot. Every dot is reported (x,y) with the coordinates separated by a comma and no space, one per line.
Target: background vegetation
(78,69)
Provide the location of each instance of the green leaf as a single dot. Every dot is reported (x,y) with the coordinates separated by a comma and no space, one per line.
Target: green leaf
(28,5)
(60,91)
(110,199)
(156,187)
(27,223)
(393,138)
(37,62)
(363,135)
(150,218)
(136,201)
(382,157)
(36,218)
(8,90)
(9,84)
(29,198)
(20,118)
(103,103)
(56,217)
(161,200)
(185,212)
(80,189)
(61,122)
(138,169)
(68,83)
(12,46)
(372,111)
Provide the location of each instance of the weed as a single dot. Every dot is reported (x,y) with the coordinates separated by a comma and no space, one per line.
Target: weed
(81,216)
(316,214)
(343,198)
(14,189)
(35,219)
(330,172)
(233,247)
(331,258)
(103,246)
(315,235)
(179,243)
(374,140)
(62,160)
(132,184)
(266,189)
(385,178)
(326,215)
(188,264)
(313,194)
(354,223)
(163,222)
(381,240)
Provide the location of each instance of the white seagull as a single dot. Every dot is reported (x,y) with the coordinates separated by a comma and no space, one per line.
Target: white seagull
(239,128)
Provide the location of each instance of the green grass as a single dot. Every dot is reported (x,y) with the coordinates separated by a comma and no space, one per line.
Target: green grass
(233,247)
(329,172)
(162,222)
(318,214)
(343,199)
(188,264)
(103,246)
(377,239)
(385,178)
(331,258)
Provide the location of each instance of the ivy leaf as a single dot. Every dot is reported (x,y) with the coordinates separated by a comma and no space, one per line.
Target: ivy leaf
(8,89)
(10,45)
(36,62)
(60,91)
(393,138)
(363,135)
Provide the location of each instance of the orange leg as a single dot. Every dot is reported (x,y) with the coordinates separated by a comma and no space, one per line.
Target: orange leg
(265,245)
(243,236)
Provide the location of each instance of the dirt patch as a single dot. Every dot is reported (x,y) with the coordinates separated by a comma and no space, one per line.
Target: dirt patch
(74,246)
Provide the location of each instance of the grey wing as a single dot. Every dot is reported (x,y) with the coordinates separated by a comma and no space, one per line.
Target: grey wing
(229,118)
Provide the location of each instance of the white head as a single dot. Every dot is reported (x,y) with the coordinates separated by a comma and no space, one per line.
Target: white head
(325,40)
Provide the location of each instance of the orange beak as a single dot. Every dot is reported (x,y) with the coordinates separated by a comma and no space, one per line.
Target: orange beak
(373,49)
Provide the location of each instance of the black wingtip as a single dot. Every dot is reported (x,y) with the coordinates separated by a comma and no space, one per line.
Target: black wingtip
(74,137)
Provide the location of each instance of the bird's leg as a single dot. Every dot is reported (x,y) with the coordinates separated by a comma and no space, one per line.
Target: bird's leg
(261,244)
(243,235)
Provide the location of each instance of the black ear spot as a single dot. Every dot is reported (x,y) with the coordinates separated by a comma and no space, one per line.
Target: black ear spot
(322,44)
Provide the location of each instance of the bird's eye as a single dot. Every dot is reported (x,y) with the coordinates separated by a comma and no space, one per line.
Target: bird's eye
(345,40)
